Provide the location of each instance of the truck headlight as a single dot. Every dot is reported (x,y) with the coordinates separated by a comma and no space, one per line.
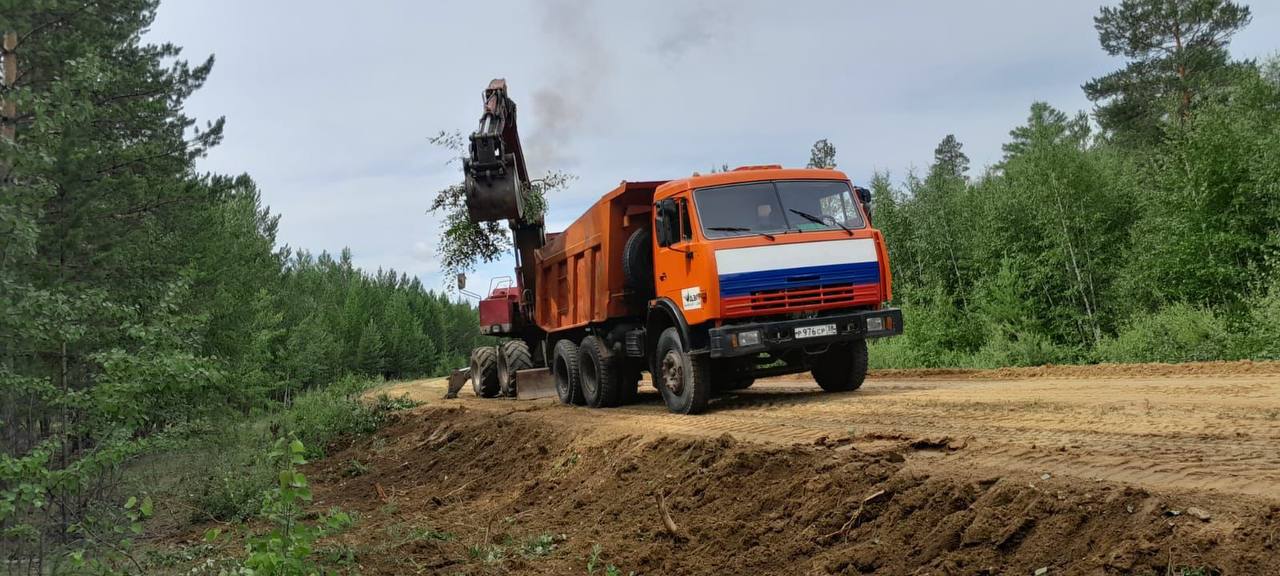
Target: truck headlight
(749,338)
(875,324)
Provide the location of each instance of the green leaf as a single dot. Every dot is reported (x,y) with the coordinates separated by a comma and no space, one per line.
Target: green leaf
(131,502)
(146,508)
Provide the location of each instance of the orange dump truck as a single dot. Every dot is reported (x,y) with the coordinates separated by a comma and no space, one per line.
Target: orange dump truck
(707,283)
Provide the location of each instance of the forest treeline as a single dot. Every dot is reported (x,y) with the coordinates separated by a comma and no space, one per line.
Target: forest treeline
(139,295)
(1147,231)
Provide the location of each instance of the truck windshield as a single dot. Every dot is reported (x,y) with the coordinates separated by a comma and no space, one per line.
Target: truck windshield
(779,206)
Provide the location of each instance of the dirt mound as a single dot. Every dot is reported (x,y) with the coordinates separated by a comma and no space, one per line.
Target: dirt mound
(445,491)
(1091,371)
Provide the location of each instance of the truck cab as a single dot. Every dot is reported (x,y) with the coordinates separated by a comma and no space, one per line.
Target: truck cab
(763,271)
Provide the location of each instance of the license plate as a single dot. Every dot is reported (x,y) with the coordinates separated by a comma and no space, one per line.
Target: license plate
(815,331)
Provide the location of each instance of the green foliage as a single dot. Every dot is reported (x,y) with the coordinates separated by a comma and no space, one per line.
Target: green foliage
(463,243)
(823,155)
(1177,51)
(1179,333)
(141,299)
(1077,249)
(286,549)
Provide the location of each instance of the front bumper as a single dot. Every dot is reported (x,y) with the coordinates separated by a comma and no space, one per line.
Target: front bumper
(736,340)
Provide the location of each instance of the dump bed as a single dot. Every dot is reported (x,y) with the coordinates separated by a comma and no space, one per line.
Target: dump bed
(580,275)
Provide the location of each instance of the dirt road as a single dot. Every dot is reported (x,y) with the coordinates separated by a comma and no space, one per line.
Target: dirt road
(1060,471)
(1194,427)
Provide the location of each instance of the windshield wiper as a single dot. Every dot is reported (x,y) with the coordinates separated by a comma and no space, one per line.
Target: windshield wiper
(818,220)
(740,229)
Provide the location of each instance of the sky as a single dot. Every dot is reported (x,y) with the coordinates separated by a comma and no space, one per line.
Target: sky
(329,104)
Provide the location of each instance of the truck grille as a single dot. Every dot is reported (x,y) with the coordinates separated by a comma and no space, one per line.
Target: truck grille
(799,299)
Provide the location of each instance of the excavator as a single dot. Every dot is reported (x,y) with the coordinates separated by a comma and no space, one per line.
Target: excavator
(496,184)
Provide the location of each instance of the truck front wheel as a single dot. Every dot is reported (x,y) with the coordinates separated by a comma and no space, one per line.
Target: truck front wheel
(842,367)
(683,379)
(484,371)
(564,366)
(597,373)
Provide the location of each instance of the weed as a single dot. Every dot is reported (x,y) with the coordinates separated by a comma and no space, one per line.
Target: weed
(540,545)
(489,553)
(356,468)
(387,403)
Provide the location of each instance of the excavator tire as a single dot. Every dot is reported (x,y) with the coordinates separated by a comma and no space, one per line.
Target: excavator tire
(484,371)
(564,367)
(637,263)
(513,355)
(598,373)
(842,368)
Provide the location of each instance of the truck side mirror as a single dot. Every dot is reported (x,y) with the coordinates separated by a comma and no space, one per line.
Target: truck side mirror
(666,224)
(864,197)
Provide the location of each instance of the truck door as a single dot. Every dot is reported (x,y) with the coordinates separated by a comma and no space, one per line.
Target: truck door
(675,261)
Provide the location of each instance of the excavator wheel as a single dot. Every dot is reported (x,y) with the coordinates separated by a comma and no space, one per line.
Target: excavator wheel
(564,367)
(637,263)
(484,371)
(513,355)
(598,373)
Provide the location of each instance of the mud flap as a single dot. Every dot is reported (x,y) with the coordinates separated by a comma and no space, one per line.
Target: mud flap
(535,383)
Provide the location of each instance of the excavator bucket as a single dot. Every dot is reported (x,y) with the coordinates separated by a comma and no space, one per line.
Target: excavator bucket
(535,383)
(493,193)
(495,171)
(456,380)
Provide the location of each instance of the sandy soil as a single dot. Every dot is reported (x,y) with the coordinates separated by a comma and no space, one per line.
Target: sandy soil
(1197,427)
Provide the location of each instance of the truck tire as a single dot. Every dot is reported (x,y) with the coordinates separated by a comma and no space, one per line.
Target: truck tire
(484,371)
(637,263)
(598,374)
(842,367)
(683,379)
(564,366)
(513,355)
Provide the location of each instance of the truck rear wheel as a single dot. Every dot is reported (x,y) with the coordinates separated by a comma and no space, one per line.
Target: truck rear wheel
(597,373)
(564,366)
(683,379)
(484,371)
(513,355)
(842,367)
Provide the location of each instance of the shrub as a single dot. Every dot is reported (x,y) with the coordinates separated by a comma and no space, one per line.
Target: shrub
(320,417)
(1177,333)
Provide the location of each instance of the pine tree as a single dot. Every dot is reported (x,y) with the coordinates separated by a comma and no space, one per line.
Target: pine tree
(1177,51)
(822,155)
(949,160)
(370,352)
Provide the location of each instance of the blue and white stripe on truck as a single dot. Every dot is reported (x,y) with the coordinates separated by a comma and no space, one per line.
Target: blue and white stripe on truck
(743,271)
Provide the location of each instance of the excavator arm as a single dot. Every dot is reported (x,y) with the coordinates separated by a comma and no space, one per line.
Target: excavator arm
(495,171)
(496,180)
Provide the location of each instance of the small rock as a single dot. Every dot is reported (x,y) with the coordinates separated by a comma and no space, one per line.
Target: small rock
(1172,512)
(1042,571)
(1046,476)
(1129,508)
(1199,513)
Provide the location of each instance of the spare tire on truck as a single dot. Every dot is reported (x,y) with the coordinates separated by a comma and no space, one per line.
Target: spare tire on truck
(637,263)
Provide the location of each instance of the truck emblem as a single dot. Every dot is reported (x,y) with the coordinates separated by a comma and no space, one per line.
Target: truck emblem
(692,298)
